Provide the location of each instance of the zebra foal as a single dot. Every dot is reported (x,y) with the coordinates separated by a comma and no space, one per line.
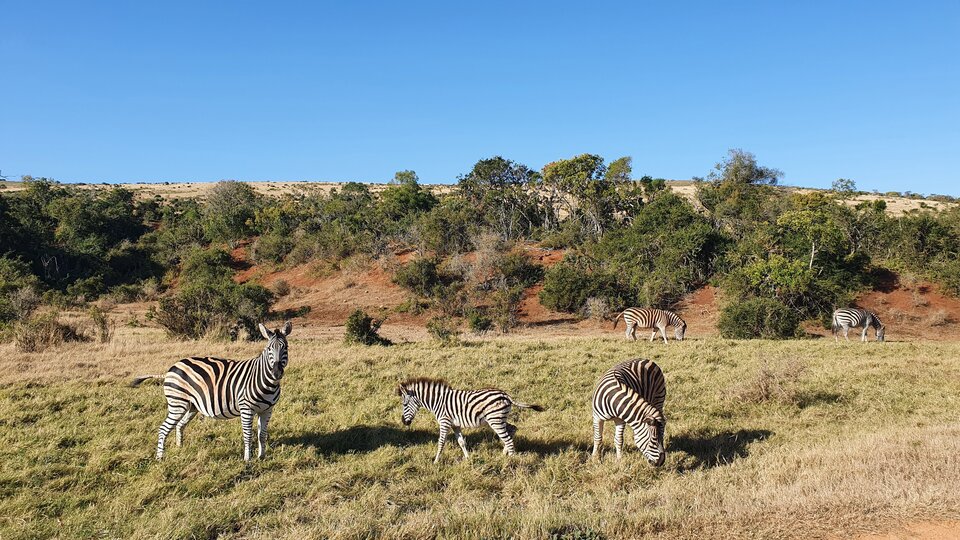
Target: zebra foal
(456,409)
(632,394)
(846,318)
(657,319)
(225,389)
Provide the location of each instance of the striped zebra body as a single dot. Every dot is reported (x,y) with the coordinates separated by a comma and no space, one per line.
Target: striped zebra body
(657,319)
(846,318)
(225,389)
(632,394)
(456,409)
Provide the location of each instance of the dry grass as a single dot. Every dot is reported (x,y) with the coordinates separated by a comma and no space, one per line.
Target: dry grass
(870,440)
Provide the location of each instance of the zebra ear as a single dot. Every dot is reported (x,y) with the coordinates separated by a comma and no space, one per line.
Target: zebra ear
(263,331)
(400,389)
(287,328)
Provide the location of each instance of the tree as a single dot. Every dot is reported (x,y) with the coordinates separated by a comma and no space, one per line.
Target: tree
(230,210)
(405,199)
(504,193)
(591,192)
(737,190)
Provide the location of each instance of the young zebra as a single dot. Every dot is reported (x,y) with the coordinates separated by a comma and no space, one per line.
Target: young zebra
(224,389)
(456,409)
(632,393)
(658,319)
(847,318)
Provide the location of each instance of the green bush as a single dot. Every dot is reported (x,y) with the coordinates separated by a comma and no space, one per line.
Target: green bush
(762,318)
(478,322)
(362,329)
(19,288)
(419,276)
(566,288)
(517,269)
(443,328)
(208,298)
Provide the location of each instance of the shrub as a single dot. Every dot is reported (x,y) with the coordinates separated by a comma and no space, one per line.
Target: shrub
(443,329)
(566,288)
(18,290)
(597,308)
(271,248)
(506,307)
(419,276)
(479,323)
(362,329)
(758,318)
(102,325)
(43,332)
(516,269)
(281,288)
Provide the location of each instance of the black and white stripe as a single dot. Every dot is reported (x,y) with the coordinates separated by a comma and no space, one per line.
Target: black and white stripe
(632,394)
(456,409)
(846,318)
(225,389)
(657,319)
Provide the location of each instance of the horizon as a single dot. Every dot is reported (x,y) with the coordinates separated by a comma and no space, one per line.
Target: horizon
(184,93)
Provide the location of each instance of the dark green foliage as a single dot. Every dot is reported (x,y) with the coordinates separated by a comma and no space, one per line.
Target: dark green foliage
(502,194)
(405,199)
(445,230)
(229,211)
(763,318)
(567,286)
(19,290)
(505,307)
(419,276)
(516,269)
(209,298)
(478,322)
(362,329)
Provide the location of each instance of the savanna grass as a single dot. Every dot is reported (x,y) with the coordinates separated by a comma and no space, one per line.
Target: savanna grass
(868,439)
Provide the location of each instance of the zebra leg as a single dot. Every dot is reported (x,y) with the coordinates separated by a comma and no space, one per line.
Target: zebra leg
(597,436)
(175,410)
(663,332)
(846,332)
(182,424)
(499,426)
(863,335)
(630,332)
(462,441)
(262,422)
(444,428)
(618,439)
(246,422)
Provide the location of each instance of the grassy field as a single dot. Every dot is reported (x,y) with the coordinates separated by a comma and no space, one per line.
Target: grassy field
(796,439)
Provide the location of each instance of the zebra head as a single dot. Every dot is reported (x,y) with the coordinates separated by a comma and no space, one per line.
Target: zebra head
(276,350)
(881,330)
(653,449)
(679,331)
(411,403)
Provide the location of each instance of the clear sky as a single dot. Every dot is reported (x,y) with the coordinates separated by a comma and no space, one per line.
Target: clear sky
(203,91)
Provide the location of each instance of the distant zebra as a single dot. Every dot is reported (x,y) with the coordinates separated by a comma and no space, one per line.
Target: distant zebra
(456,409)
(847,318)
(632,393)
(658,319)
(224,389)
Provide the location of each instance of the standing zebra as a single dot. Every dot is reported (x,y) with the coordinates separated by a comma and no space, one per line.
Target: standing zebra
(658,319)
(456,409)
(224,389)
(847,318)
(632,393)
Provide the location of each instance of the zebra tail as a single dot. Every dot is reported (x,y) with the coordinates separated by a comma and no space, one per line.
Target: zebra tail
(834,326)
(137,381)
(538,408)
(617,319)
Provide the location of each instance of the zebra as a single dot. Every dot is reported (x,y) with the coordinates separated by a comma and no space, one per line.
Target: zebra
(632,393)
(847,318)
(658,319)
(456,409)
(225,389)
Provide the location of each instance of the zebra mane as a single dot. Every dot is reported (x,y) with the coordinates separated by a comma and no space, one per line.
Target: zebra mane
(425,380)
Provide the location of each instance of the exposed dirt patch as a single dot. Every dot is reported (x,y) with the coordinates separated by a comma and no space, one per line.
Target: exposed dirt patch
(701,310)
(946,530)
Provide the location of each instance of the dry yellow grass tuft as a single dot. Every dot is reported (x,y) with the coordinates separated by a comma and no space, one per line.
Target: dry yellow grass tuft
(867,440)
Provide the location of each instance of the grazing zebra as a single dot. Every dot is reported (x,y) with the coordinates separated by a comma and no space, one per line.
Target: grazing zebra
(456,409)
(658,319)
(224,389)
(632,393)
(847,318)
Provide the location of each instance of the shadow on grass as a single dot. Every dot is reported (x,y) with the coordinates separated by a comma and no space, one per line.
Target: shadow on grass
(712,450)
(360,439)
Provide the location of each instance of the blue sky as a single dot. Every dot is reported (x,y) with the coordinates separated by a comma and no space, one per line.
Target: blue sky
(203,91)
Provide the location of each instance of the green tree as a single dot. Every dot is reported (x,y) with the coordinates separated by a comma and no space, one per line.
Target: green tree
(230,210)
